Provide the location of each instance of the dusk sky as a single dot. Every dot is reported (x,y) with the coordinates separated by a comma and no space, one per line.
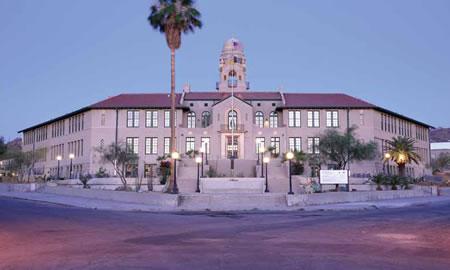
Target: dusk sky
(57,56)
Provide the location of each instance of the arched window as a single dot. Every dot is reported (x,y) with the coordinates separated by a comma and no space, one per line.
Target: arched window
(232,119)
(259,119)
(191,120)
(273,120)
(232,81)
(206,119)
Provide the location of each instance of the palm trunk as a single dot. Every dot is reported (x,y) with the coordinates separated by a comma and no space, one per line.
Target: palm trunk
(172,116)
(401,169)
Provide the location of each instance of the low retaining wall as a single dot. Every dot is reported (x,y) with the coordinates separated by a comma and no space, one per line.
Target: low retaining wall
(7,187)
(108,183)
(349,197)
(166,201)
(232,185)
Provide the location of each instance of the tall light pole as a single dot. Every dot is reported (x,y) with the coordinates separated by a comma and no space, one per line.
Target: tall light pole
(202,151)
(206,153)
(175,156)
(262,149)
(71,157)
(58,158)
(290,156)
(387,156)
(266,161)
(259,146)
(198,160)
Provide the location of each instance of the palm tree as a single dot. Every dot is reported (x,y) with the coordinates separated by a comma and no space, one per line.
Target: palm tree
(402,152)
(172,18)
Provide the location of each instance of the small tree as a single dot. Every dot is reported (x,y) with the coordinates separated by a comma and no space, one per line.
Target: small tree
(119,156)
(402,152)
(3,146)
(298,162)
(441,162)
(20,163)
(345,148)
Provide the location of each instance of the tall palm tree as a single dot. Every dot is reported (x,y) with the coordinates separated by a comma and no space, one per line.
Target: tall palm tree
(172,18)
(402,152)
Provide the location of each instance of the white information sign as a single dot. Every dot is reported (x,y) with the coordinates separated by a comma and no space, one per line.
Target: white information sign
(333,177)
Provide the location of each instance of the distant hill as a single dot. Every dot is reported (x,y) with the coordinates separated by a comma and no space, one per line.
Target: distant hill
(440,135)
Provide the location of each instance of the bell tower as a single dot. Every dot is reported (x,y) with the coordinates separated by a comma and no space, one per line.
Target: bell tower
(232,68)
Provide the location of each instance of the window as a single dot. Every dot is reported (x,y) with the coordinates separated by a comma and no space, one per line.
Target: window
(232,119)
(361,118)
(313,145)
(151,146)
(167,119)
(313,119)
(294,119)
(151,119)
(259,141)
(332,119)
(259,119)
(133,118)
(133,144)
(191,120)
(205,144)
(190,144)
(275,144)
(232,81)
(206,119)
(273,120)
(166,145)
(295,144)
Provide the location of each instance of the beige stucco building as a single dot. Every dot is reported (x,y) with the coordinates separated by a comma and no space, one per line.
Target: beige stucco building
(231,120)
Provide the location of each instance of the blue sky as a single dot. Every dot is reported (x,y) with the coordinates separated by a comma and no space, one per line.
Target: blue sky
(59,55)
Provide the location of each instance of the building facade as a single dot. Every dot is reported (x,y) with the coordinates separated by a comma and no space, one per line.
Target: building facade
(232,121)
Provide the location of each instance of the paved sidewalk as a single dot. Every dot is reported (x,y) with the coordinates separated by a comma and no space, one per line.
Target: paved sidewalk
(123,206)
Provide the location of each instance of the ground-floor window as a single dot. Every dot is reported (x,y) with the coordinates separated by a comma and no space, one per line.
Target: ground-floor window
(295,144)
(313,145)
(205,144)
(275,144)
(190,144)
(259,142)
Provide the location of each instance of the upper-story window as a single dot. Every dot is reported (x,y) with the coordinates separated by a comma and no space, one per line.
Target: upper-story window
(232,80)
(151,119)
(232,119)
(273,120)
(313,119)
(259,119)
(206,119)
(294,118)
(332,119)
(133,118)
(191,120)
(167,118)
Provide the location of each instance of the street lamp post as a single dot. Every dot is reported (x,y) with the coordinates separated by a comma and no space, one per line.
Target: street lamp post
(71,157)
(266,160)
(257,161)
(175,156)
(262,149)
(387,156)
(206,153)
(198,160)
(290,156)
(58,158)
(202,151)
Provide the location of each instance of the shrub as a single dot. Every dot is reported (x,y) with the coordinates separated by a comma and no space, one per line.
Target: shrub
(394,181)
(84,179)
(124,188)
(379,179)
(164,166)
(101,173)
(211,172)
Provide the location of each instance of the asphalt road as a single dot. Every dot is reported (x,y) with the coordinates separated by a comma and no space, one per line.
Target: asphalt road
(44,236)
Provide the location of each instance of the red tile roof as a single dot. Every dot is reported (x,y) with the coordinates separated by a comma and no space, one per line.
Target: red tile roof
(153,100)
(242,95)
(292,100)
(313,100)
